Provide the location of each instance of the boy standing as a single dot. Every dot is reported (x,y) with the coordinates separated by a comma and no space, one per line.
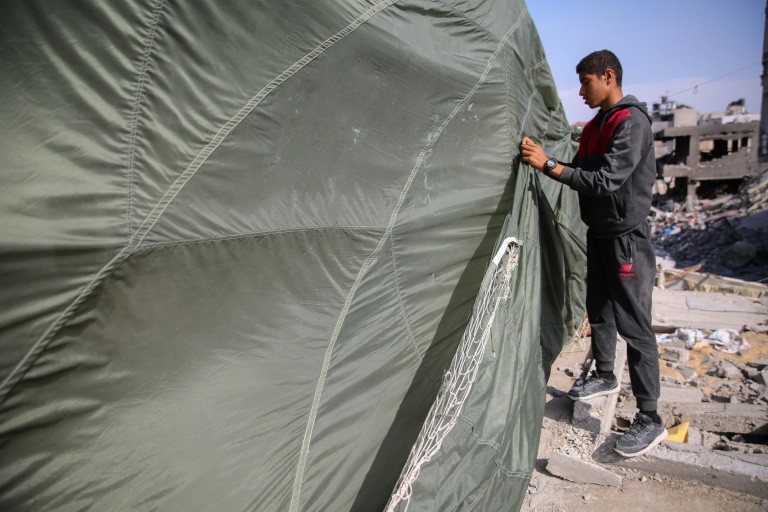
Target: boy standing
(613,173)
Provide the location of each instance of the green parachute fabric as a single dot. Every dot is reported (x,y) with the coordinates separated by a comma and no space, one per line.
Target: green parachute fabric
(277,256)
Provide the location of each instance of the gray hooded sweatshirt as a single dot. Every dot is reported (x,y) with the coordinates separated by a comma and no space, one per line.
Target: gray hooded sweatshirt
(614,169)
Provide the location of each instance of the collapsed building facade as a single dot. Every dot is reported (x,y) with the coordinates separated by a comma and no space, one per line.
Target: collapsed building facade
(695,148)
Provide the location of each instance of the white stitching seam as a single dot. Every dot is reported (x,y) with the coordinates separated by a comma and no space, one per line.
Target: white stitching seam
(433,137)
(148,47)
(396,497)
(230,125)
(400,305)
(255,234)
(154,215)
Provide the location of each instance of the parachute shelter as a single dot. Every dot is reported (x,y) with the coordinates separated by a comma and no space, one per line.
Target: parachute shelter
(268,256)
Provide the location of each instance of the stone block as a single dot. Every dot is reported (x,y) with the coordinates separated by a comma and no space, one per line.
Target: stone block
(695,436)
(675,354)
(740,472)
(688,373)
(720,417)
(681,395)
(580,471)
(728,370)
(588,414)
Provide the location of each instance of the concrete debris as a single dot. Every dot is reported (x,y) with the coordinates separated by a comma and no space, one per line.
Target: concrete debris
(732,470)
(711,320)
(728,370)
(674,354)
(681,395)
(687,373)
(577,470)
(734,418)
(726,235)
(706,311)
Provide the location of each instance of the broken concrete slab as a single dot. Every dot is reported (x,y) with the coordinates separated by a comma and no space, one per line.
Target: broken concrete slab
(675,354)
(679,308)
(740,472)
(724,417)
(670,396)
(580,471)
(681,395)
(695,436)
(734,418)
(690,279)
(726,369)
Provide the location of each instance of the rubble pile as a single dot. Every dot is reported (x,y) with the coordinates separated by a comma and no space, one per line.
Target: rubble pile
(726,235)
(718,386)
(720,380)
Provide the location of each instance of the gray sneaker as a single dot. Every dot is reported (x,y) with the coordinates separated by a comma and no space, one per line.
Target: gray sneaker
(593,386)
(642,435)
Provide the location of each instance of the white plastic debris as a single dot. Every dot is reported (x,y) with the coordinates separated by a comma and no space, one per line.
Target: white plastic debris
(725,340)
(687,335)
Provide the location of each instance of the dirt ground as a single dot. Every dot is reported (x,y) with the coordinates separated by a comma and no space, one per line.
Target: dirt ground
(639,491)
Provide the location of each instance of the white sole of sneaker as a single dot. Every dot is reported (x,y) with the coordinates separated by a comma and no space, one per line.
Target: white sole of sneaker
(594,395)
(648,448)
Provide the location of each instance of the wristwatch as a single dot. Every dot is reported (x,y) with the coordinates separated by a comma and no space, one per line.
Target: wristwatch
(550,165)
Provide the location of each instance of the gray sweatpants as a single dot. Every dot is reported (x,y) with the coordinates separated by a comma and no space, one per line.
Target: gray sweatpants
(620,277)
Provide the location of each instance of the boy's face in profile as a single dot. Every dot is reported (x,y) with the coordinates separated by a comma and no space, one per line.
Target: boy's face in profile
(594,89)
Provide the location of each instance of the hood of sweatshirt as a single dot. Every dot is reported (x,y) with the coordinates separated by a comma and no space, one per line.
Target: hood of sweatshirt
(629,101)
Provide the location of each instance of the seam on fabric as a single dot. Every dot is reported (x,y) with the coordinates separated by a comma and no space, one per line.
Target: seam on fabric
(452,9)
(507,104)
(433,137)
(172,192)
(527,111)
(136,238)
(401,306)
(533,94)
(235,120)
(195,241)
(479,440)
(512,473)
(137,103)
(538,64)
(529,240)
(37,348)
(563,124)
(304,453)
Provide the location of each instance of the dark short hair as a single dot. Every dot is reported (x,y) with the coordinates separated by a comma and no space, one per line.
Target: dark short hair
(596,63)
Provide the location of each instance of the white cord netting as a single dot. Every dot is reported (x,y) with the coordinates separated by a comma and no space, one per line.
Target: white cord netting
(458,380)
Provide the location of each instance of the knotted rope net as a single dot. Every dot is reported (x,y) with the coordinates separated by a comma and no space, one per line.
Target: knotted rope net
(458,380)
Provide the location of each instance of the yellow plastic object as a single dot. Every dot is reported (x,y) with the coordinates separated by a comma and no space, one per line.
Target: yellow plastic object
(678,433)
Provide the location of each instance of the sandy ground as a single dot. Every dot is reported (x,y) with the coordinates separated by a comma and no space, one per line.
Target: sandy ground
(639,491)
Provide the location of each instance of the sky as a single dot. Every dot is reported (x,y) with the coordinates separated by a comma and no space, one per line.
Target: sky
(672,47)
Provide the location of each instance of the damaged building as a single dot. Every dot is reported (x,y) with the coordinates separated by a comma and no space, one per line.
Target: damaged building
(693,150)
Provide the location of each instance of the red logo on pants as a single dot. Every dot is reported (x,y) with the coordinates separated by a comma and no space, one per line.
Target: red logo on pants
(625,270)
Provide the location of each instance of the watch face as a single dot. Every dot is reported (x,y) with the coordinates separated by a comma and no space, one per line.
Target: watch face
(551,164)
